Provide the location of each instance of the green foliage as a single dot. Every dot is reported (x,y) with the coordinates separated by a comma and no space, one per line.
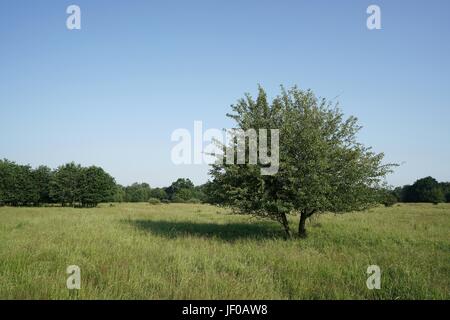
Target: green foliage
(183,190)
(322,166)
(154,201)
(445,186)
(41,178)
(137,192)
(425,190)
(69,184)
(388,198)
(95,186)
(65,186)
(158,193)
(21,185)
(180,190)
(74,185)
(120,194)
(428,190)
(77,186)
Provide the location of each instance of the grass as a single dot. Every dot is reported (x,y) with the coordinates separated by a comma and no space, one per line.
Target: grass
(190,251)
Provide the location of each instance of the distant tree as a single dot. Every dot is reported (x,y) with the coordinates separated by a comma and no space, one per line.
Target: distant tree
(96,186)
(408,194)
(137,192)
(119,194)
(154,201)
(16,184)
(7,173)
(211,194)
(41,178)
(183,195)
(158,193)
(181,190)
(424,190)
(388,197)
(65,184)
(322,166)
(398,194)
(199,193)
(445,186)
(70,184)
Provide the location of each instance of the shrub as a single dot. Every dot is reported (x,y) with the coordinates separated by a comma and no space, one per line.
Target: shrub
(154,201)
(178,200)
(389,200)
(193,200)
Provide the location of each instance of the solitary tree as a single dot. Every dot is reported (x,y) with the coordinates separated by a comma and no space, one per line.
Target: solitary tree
(322,167)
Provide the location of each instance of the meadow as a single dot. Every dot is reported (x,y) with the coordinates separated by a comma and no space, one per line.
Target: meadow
(194,251)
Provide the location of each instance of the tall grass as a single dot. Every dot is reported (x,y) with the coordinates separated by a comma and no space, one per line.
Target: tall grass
(192,251)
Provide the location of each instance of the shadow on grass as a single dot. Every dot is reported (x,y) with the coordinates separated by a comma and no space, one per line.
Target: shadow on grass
(227,232)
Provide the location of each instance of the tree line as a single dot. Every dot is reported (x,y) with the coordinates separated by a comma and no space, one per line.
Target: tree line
(180,191)
(426,189)
(77,186)
(74,185)
(68,185)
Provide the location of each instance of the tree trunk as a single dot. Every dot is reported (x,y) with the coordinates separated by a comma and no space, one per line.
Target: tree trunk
(285,224)
(301,224)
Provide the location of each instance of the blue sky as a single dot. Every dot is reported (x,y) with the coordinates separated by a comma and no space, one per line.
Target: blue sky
(112,93)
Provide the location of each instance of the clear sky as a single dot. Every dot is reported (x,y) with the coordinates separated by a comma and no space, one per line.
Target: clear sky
(112,93)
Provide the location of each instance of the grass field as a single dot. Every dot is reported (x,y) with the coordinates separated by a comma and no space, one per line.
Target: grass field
(185,251)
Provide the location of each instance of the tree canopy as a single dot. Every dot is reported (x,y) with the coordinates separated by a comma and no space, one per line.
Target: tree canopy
(69,184)
(322,166)
(74,185)
(424,190)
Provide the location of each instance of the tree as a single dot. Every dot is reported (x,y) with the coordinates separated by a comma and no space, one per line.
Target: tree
(119,195)
(407,194)
(158,193)
(427,190)
(11,192)
(424,190)
(137,192)
(95,186)
(181,190)
(41,178)
(445,186)
(16,184)
(65,184)
(71,184)
(388,197)
(322,168)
